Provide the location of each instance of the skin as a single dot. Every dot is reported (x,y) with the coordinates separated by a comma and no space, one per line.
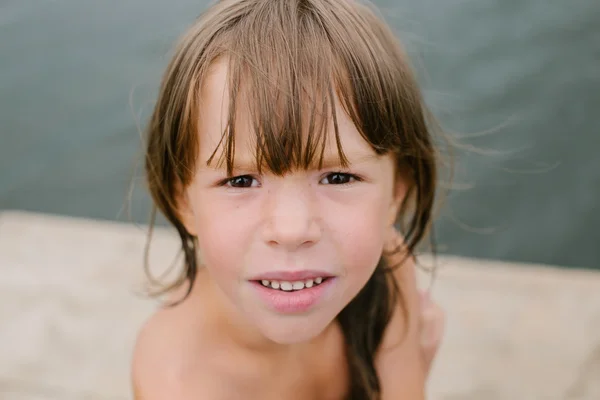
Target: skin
(223,342)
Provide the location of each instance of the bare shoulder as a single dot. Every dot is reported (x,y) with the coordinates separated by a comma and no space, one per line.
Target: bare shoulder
(168,359)
(399,362)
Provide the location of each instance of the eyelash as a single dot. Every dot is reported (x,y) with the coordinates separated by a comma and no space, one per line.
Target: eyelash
(227,182)
(351,177)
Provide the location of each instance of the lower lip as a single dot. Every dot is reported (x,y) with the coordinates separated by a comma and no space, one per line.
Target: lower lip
(298,301)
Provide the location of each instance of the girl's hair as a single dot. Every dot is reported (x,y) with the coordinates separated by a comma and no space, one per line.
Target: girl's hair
(288,62)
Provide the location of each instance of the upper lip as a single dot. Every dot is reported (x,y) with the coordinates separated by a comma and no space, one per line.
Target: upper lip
(291,275)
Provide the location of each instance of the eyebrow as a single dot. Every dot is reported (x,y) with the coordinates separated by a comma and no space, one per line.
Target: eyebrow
(333,160)
(329,161)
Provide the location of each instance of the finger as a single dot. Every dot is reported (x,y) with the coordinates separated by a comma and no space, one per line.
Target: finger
(432,320)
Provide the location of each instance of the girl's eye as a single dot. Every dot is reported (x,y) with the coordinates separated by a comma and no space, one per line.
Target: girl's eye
(242,181)
(339,178)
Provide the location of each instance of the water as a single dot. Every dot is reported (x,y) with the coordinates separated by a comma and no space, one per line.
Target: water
(75,76)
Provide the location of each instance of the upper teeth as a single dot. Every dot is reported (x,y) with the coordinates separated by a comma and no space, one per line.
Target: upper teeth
(289,286)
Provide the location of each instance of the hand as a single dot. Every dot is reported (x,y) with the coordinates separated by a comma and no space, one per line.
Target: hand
(431,315)
(432,324)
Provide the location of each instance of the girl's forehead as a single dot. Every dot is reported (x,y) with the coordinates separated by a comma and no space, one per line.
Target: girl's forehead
(214,116)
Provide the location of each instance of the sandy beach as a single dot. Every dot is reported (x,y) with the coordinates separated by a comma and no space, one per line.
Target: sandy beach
(72,302)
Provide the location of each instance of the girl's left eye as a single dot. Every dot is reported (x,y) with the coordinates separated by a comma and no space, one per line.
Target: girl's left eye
(339,178)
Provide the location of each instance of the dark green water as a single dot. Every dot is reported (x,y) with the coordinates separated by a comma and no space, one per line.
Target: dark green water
(75,75)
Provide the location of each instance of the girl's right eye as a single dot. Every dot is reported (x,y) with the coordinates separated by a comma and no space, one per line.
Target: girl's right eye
(242,181)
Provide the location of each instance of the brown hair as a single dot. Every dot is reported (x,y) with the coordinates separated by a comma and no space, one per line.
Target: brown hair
(290,59)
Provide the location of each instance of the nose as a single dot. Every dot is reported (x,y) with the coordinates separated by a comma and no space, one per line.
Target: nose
(291,221)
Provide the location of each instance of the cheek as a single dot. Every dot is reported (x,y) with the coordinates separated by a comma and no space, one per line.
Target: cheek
(360,232)
(222,232)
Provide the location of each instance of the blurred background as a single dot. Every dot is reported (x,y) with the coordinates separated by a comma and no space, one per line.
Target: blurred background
(518,82)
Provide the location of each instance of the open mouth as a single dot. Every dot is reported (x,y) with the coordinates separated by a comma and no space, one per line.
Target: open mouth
(289,286)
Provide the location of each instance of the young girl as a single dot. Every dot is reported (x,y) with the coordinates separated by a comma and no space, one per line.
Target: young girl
(288,138)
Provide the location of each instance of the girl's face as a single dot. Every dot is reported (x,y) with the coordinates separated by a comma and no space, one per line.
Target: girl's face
(288,252)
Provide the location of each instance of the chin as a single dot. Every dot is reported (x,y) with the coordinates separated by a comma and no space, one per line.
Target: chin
(287,329)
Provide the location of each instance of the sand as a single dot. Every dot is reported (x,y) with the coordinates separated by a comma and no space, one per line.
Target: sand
(72,302)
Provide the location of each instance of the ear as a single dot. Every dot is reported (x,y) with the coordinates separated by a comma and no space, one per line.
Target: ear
(186,211)
(399,193)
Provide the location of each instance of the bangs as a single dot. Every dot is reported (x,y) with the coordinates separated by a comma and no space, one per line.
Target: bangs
(288,73)
(289,117)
